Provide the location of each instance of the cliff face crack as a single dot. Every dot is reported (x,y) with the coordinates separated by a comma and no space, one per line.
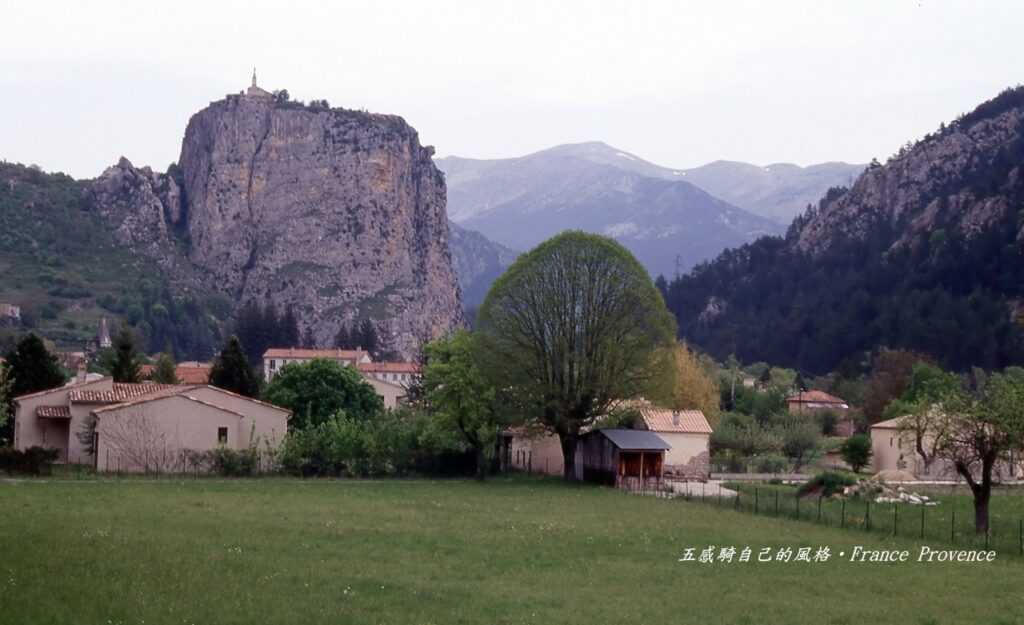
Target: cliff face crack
(252,161)
(254,219)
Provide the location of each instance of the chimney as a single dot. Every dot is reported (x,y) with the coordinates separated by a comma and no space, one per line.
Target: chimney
(83,372)
(675,417)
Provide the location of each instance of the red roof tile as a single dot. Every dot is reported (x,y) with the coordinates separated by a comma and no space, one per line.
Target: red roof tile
(53,412)
(666,420)
(120,393)
(815,396)
(390,367)
(186,374)
(329,354)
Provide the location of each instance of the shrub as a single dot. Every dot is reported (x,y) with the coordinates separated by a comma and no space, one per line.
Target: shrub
(33,461)
(772,463)
(856,451)
(827,483)
(235,463)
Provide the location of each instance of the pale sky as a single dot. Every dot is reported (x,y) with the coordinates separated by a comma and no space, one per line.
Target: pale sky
(678,83)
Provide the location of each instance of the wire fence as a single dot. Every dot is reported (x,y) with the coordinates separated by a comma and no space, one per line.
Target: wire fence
(950,521)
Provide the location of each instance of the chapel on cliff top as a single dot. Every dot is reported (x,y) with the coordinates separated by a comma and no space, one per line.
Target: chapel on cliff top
(256,92)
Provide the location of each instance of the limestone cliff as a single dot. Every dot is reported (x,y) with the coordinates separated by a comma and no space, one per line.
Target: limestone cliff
(339,213)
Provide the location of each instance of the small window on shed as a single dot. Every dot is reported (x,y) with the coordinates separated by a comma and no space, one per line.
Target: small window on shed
(222,436)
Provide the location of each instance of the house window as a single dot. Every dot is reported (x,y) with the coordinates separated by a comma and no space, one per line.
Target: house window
(273,364)
(222,436)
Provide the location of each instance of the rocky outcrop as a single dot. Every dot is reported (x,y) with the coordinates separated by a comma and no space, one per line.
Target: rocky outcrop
(960,178)
(339,213)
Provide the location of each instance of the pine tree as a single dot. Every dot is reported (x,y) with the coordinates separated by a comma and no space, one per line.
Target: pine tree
(288,335)
(308,340)
(32,367)
(164,372)
(368,337)
(125,367)
(343,339)
(231,370)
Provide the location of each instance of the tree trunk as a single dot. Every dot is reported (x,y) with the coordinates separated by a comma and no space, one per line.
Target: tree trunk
(981,512)
(569,442)
(481,464)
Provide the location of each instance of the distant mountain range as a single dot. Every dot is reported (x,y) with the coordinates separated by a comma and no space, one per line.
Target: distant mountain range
(671,219)
(669,224)
(779,191)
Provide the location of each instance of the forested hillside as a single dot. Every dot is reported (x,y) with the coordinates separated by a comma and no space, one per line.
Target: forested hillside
(60,263)
(925,252)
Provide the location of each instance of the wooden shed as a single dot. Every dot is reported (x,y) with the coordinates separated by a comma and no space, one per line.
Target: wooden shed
(629,459)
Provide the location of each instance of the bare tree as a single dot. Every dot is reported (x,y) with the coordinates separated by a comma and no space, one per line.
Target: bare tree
(138,442)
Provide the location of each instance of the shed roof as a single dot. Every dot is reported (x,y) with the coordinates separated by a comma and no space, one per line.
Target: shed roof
(635,440)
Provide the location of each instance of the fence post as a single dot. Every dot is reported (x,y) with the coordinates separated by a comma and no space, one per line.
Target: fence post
(895,517)
(842,520)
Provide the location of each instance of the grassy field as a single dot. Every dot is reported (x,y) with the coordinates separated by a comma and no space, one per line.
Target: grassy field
(951,522)
(515,550)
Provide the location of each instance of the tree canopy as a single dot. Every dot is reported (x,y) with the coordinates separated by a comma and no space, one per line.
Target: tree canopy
(231,370)
(125,366)
(316,390)
(460,397)
(572,327)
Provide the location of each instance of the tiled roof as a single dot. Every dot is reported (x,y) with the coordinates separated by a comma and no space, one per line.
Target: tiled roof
(891,424)
(191,373)
(390,367)
(119,393)
(53,412)
(182,393)
(815,396)
(298,352)
(666,420)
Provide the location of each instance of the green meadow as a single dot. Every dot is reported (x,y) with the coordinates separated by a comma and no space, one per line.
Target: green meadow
(511,550)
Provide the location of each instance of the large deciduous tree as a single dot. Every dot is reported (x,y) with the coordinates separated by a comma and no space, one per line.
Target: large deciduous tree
(460,398)
(690,383)
(231,370)
(571,328)
(318,389)
(978,429)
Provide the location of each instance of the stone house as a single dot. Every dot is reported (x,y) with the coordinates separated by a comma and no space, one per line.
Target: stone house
(389,379)
(814,402)
(895,449)
(688,435)
(142,427)
(277,357)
